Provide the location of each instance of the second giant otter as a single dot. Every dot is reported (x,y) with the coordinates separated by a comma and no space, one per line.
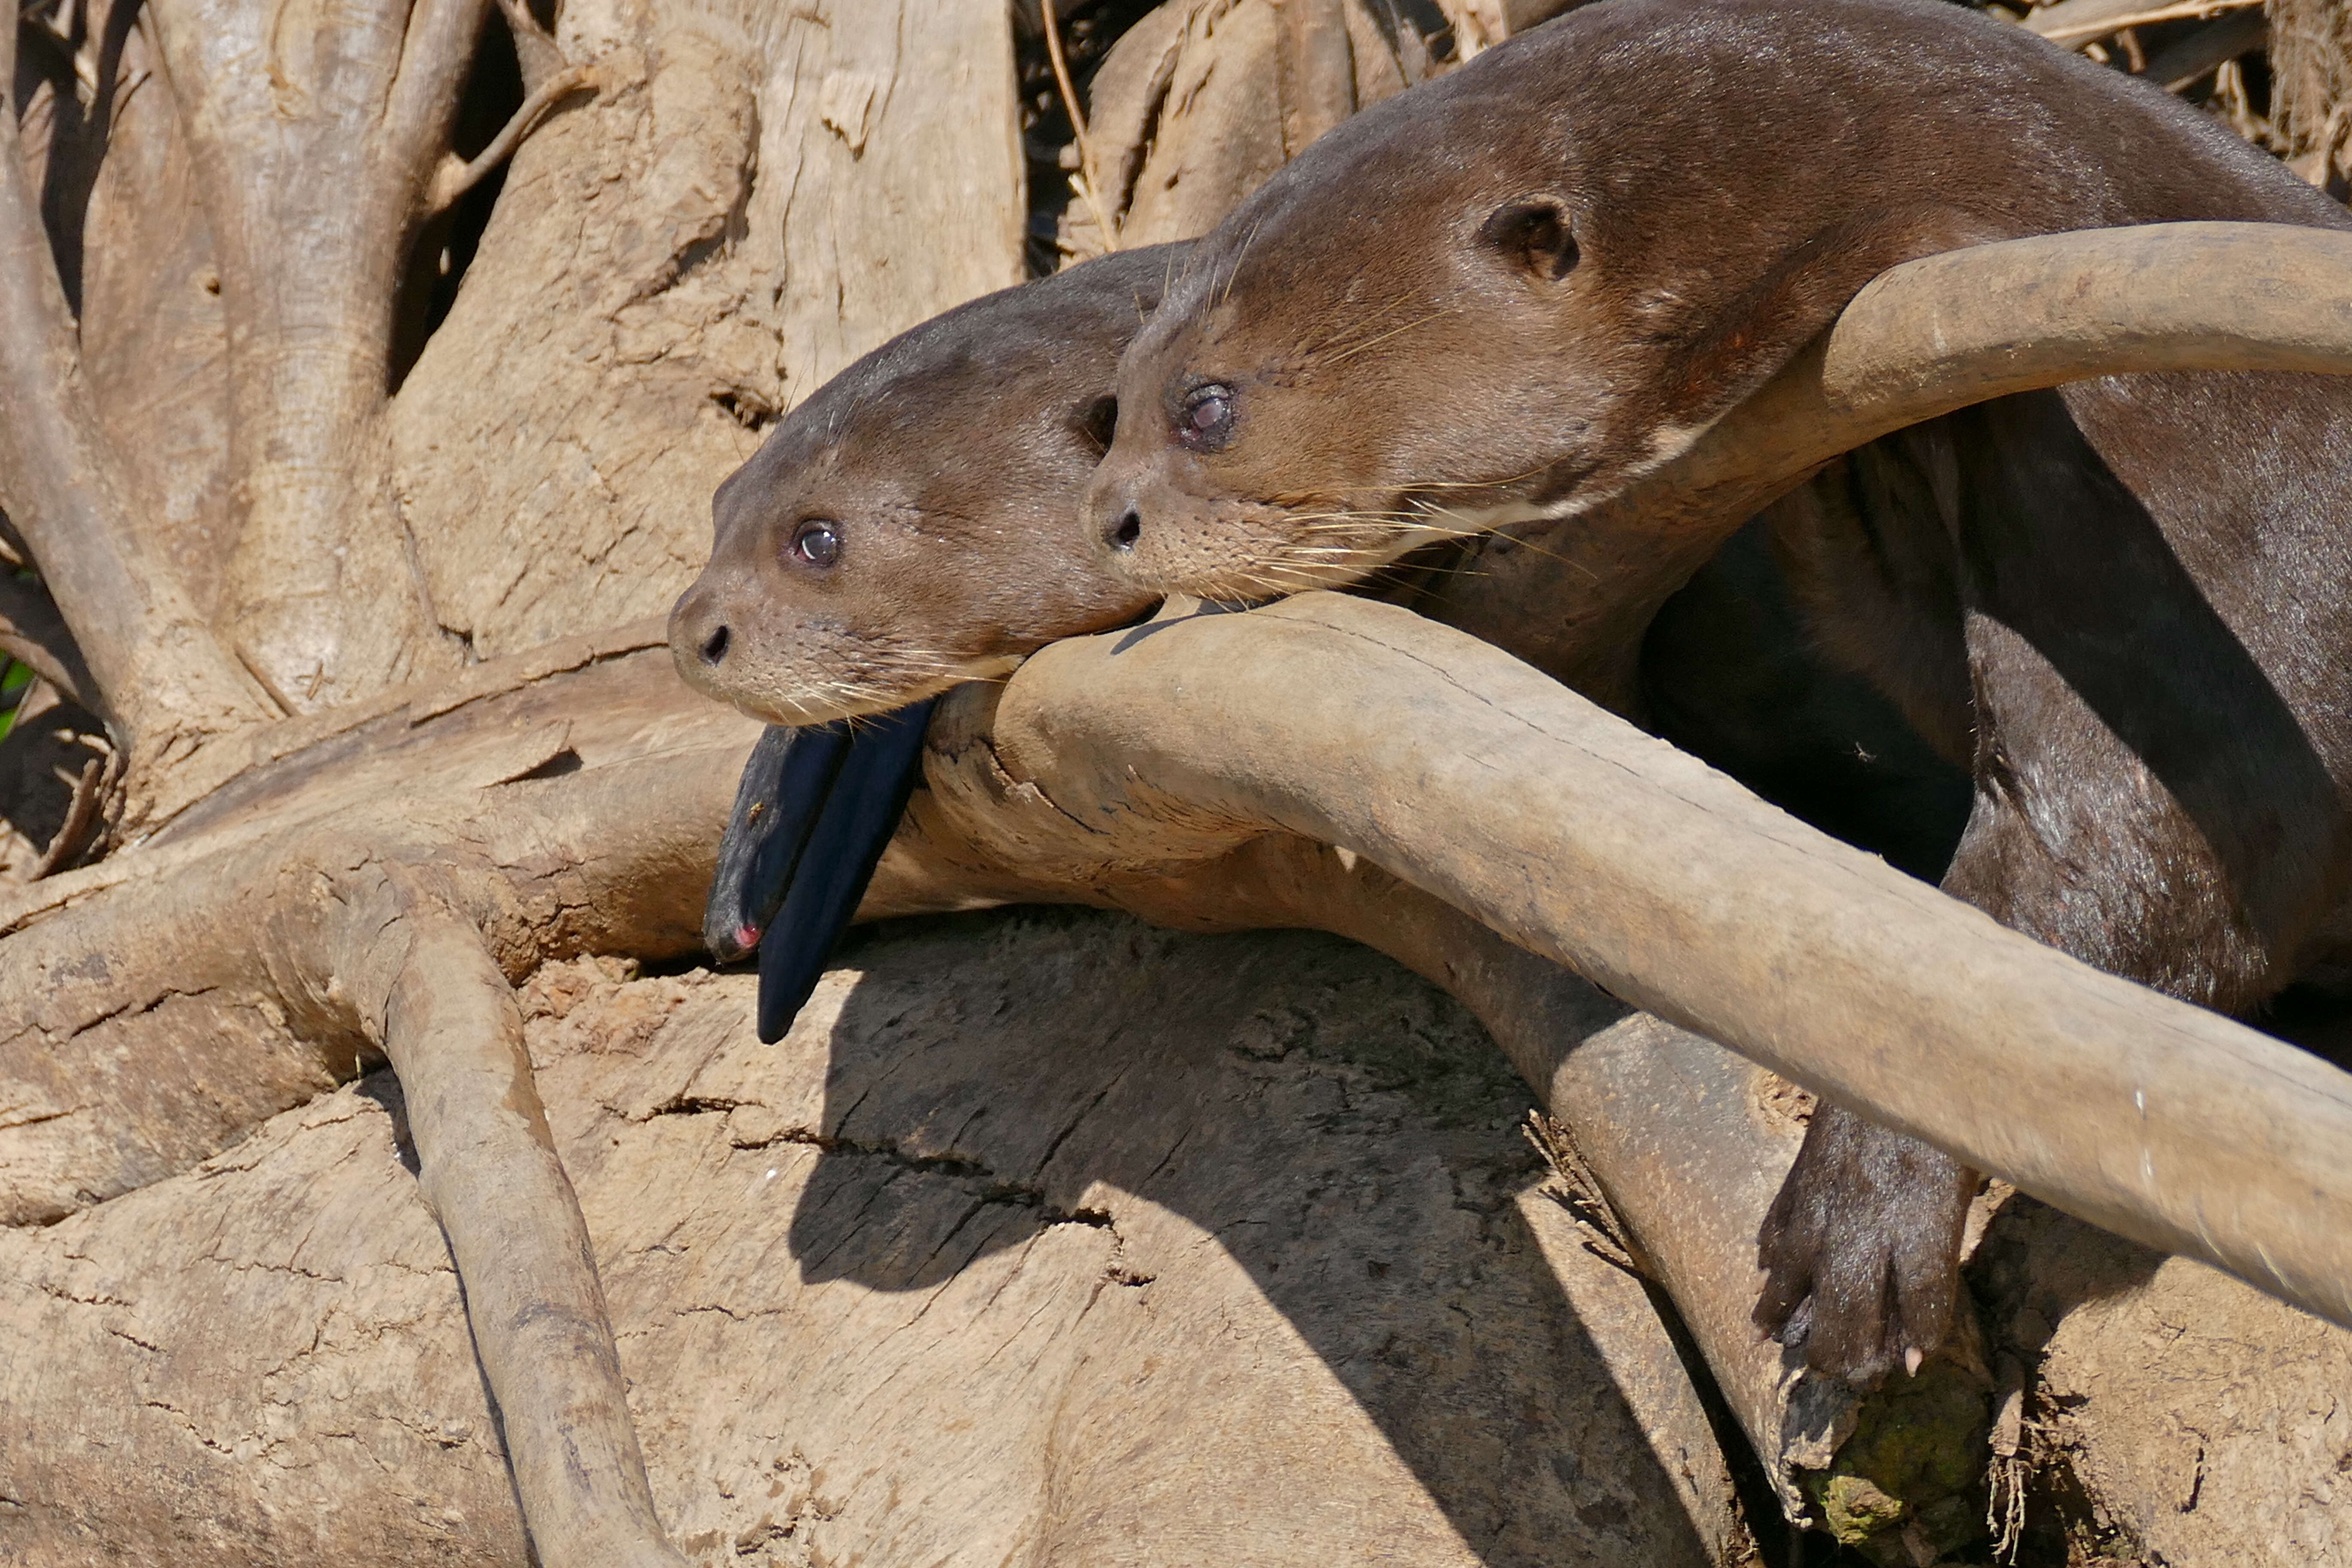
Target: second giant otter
(2125,605)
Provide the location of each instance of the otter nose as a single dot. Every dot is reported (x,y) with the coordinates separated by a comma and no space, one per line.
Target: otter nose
(1112,508)
(699,632)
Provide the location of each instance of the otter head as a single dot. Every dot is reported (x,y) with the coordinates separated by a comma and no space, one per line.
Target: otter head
(913,523)
(1387,343)
(1503,295)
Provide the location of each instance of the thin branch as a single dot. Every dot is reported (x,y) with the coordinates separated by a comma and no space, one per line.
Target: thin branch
(2075,23)
(33,635)
(457,175)
(1090,187)
(73,834)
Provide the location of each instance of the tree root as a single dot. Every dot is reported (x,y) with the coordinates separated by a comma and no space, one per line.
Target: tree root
(490,1172)
(396,940)
(457,176)
(161,680)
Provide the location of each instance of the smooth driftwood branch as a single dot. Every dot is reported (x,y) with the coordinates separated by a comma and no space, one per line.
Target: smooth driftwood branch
(155,670)
(1475,778)
(1948,330)
(489,1171)
(1919,341)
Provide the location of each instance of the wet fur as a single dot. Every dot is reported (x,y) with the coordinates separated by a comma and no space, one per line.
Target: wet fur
(2125,609)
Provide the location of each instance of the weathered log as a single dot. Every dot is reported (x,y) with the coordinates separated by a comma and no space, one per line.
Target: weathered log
(1570,832)
(638,748)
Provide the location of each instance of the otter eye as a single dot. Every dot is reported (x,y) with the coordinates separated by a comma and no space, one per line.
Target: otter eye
(817,542)
(1206,420)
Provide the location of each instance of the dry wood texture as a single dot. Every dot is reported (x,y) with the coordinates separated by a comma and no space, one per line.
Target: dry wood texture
(1239,1255)
(358,365)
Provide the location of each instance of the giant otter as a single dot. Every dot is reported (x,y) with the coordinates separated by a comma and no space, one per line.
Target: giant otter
(2125,605)
(910,525)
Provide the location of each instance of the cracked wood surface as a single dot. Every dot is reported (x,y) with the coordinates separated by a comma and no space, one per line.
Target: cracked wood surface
(1234,1255)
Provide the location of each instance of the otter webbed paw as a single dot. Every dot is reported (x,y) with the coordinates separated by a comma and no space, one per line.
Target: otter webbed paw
(1862,1250)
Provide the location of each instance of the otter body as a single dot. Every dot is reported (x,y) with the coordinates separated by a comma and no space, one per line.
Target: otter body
(2125,607)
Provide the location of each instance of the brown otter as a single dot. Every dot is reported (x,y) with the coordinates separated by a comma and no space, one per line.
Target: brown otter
(910,525)
(2124,605)
(976,432)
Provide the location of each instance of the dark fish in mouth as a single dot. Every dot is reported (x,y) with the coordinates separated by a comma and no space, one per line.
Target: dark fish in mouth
(815,810)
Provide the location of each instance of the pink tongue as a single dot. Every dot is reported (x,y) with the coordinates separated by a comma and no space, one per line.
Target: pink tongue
(747,936)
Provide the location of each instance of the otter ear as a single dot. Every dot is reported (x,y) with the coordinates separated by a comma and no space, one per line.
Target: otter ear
(1533,232)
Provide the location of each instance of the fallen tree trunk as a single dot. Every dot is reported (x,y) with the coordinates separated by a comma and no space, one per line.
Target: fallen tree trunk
(1571,833)
(1236,1255)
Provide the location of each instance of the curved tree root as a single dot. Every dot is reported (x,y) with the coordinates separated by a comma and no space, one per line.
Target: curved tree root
(396,940)
(490,1172)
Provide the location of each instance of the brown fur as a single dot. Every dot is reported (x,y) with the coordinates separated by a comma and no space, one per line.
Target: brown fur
(2127,607)
(950,462)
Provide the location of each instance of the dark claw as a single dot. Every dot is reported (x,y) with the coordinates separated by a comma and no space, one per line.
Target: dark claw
(784,787)
(1862,1250)
(861,812)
